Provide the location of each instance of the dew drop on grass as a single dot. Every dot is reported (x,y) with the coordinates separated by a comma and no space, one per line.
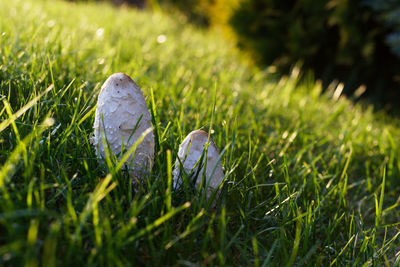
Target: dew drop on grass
(51,23)
(161,38)
(100,33)
(49,122)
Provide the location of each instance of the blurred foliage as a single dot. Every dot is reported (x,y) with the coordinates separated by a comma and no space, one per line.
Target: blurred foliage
(194,10)
(389,11)
(205,12)
(338,39)
(355,42)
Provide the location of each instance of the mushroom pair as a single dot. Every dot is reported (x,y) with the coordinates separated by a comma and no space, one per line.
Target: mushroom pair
(122,126)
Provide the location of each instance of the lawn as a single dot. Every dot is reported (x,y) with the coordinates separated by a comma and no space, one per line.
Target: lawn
(311,177)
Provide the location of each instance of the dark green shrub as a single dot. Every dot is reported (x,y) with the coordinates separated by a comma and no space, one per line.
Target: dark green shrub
(337,39)
(389,13)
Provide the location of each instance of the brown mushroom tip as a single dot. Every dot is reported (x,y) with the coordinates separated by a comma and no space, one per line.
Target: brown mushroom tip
(121,80)
(202,135)
(123,76)
(200,132)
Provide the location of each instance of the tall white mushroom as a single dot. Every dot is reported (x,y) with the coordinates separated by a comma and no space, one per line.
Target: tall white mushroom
(121,118)
(190,151)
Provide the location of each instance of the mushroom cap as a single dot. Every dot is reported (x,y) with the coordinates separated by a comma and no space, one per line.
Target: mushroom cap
(195,142)
(121,118)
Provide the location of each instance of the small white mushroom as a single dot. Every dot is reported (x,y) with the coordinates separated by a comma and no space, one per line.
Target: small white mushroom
(196,142)
(121,118)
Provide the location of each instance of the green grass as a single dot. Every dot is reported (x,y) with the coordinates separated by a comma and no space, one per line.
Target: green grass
(312,179)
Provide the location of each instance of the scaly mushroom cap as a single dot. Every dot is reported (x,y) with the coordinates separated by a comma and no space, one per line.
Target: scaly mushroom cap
(195,142)
(120,105)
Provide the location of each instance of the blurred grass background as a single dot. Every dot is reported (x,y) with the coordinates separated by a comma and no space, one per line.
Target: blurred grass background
(356,43)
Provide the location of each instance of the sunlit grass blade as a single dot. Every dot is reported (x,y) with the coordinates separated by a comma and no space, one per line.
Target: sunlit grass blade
(9,166)
(4,124)
(158,222)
